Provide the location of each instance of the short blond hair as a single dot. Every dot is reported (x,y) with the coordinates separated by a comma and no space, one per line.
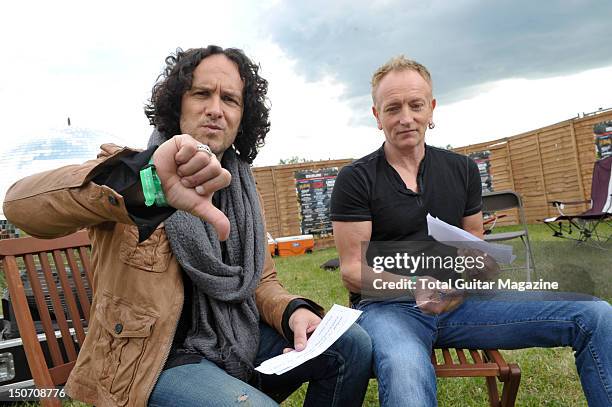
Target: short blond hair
(399,63)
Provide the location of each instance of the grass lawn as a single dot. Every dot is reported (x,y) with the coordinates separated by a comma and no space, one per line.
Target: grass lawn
(549,376)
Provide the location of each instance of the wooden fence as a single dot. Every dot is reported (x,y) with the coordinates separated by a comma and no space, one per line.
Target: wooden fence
(547,164)
(276,184)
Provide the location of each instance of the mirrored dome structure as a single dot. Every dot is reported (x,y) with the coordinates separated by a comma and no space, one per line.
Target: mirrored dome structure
(59,147)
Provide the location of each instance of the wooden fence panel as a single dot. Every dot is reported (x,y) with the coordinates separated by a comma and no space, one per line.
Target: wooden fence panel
(276,184)
(551,163)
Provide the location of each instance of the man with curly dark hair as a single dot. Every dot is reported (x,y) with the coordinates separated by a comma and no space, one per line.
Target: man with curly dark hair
(186,300)
(164,108)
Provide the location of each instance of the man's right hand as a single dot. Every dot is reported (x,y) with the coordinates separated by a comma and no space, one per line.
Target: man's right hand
(190,177)
(436,301)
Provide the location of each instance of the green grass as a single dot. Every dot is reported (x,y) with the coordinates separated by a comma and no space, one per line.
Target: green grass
(549,376)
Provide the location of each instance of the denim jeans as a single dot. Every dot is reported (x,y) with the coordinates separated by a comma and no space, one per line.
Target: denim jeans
(403,336)
(338,377)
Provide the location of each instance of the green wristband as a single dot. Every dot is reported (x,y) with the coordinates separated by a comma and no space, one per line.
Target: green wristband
(160,198)
(151,186)
(148,187)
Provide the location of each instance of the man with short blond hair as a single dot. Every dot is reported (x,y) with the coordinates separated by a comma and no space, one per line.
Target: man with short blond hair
(385,197)
(398,63)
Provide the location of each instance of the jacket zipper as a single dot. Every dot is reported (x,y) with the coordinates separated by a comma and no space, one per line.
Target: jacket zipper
(165,359)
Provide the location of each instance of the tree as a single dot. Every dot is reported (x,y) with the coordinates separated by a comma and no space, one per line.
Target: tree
(448,147)
(293,160)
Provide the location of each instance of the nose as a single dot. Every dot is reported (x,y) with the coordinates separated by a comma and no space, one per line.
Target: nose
(213,109)
(406,117)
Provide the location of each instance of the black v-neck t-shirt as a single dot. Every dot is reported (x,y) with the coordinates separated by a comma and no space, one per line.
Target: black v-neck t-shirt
(370,189)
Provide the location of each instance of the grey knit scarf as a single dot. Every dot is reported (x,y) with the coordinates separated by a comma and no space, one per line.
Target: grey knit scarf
(225,320)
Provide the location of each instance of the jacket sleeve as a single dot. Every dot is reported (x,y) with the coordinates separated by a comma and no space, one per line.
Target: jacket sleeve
(61,201)
(271,297)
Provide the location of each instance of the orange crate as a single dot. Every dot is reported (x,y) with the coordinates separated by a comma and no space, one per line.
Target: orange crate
(272,247)
(294,245)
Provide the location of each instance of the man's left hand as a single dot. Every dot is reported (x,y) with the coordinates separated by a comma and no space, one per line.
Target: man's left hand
(302,322)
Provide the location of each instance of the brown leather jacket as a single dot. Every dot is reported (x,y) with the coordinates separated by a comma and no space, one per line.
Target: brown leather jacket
(138,290)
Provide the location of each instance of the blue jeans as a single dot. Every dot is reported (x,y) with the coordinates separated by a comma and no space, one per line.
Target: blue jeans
(403,336)
(338,377)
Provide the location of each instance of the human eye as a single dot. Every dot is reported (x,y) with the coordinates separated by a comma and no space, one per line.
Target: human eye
(417,107)
(201,92)
(231,99)
(392,108)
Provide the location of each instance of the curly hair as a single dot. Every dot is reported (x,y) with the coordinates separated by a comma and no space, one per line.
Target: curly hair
(164,108)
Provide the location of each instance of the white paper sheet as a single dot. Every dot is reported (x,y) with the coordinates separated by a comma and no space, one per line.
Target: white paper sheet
(331,328)
(452,235)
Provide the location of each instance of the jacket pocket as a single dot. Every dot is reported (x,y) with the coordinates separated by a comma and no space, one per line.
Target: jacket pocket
(151,255)
(124,338)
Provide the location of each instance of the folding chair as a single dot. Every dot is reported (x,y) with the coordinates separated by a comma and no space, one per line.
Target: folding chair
(587,223)
(57,274)
(503,200)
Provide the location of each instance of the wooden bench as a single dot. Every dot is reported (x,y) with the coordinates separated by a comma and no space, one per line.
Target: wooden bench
(59,276)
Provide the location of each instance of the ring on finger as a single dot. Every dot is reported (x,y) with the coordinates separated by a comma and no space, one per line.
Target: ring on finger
(204,148)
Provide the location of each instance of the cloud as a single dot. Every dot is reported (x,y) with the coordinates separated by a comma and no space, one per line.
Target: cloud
(513,106)
(96,63)
(309,119)
(464,43)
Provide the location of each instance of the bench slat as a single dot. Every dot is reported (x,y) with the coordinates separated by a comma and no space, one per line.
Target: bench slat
(43,310)
(78,282)
(461,356)
(58,309)
(68,295)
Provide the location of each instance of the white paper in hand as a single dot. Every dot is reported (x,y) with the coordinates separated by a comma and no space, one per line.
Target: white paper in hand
(331,328)
(452,235)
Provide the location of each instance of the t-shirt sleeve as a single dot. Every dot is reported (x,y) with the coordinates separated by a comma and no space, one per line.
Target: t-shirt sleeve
(350,201)
(474,189)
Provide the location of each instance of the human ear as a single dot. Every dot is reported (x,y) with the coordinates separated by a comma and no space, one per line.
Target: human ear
(375,113)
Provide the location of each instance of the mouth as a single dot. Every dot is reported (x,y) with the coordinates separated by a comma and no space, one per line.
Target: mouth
(212,126)
(407,132)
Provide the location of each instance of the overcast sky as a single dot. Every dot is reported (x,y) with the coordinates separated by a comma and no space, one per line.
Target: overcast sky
(499,67)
